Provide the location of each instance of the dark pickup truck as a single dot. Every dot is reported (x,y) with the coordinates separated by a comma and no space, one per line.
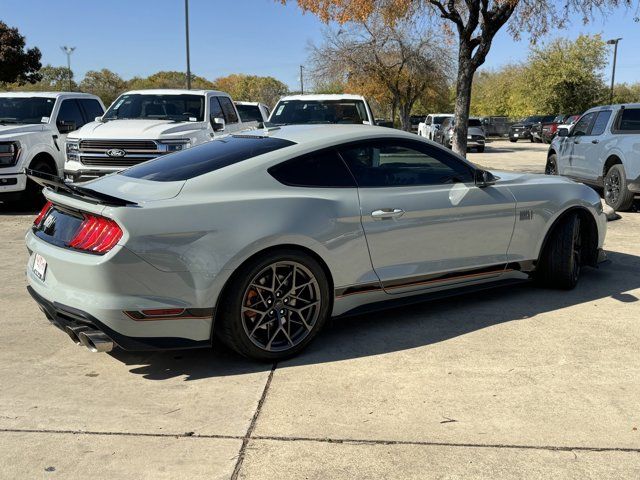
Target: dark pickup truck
(522,130)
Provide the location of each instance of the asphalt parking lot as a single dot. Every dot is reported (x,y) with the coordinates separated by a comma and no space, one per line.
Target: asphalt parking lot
(513,383)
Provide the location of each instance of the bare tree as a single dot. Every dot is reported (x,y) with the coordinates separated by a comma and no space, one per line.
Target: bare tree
(398,62)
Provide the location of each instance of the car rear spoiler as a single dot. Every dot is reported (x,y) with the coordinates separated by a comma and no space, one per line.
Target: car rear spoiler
(56,184)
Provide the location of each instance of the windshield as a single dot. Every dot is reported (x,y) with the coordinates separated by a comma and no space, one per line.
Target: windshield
(25,110)
(439,120)
(136,106)
(474,122)
(296,112)
(249,113)
(533,119)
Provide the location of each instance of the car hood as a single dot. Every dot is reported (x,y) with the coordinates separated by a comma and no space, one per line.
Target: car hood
(133,189)
(513,178)
(475,131)
(18,129)
(136,129)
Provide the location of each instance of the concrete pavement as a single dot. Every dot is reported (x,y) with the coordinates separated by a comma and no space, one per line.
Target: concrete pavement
(512,383)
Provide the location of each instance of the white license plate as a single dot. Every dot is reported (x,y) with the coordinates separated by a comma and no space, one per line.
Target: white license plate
(39,266)
(516,134)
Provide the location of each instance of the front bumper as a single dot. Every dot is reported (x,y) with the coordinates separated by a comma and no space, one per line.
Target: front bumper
(11,184)
(524,133)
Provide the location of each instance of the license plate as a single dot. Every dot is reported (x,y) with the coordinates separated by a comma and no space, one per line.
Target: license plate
(516,134)
(39,266)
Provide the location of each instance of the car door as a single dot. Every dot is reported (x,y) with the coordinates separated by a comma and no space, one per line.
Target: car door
(575,146)
(426,223)
(590,162)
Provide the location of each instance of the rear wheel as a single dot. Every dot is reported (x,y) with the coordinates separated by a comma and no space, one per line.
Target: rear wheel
(513,140)
(33,193)
(561,260)
(616,191)
(480,149)
(276,305)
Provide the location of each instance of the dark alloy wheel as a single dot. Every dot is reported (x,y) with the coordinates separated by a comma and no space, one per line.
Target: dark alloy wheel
(276,305)
(616,192)
(561,261)
(33,193)
(552,165)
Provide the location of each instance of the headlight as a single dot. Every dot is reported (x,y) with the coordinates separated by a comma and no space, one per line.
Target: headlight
(170,146)
(72,148)
(9,152)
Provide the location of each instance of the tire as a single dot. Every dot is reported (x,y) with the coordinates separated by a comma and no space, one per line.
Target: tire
(269,329)
(552,165)
(33,193)
(513,140)
(616,190)
(480,149)
(561,260)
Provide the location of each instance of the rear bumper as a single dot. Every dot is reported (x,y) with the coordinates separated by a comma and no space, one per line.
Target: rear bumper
(63,316)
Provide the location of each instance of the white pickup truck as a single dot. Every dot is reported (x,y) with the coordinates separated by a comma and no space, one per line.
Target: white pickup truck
(432,124)
(33,128)
(331,108)
(144,124)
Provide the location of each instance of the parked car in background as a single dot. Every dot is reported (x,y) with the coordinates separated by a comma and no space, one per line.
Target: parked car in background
(522,130)
(602,150)
(496,126)
(253,111)
(569,122)
(550,129)
(144,124)
(475,134)
(260,238)
(431,125)
(333,108)
(536,129)
(33,129)
(415,121)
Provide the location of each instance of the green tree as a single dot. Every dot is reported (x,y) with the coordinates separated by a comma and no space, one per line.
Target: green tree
(52,79)
(252,88)
(626,93)
(169,79)
(567,76)
(17,64)
(104,83)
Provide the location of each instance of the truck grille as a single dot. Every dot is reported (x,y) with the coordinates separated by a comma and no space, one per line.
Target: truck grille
(94,152)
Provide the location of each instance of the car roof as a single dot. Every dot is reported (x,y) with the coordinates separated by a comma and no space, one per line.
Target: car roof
(323,97)
(174,91)
(47,94)
(248,103)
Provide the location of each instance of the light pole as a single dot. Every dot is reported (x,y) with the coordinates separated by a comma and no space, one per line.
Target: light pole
(613,42)
(186,22)
(68,51)
(301,80)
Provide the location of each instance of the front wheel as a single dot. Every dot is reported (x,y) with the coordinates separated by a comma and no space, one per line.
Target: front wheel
(552,165)
(616,190)
(480,149)
(561,260)
(275,306)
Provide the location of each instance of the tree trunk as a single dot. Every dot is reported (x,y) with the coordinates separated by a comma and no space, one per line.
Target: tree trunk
(405,114)
(394,107)
(463,100)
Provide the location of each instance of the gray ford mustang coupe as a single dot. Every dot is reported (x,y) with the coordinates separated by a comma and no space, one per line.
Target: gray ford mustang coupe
(258,238)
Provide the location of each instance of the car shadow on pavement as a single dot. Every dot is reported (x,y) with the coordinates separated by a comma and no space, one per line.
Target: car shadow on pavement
(407,327)
(13,210)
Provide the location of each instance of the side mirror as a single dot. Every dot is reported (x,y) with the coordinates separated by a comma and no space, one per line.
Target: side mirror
(98,119)
(217,124)
(563,132)
(65,126)
(484,178)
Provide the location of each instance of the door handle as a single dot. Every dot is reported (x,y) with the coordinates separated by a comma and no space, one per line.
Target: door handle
(387,213)
(595,140)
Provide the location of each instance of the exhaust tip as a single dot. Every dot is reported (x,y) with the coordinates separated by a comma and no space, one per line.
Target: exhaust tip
(96,341)
(74,332)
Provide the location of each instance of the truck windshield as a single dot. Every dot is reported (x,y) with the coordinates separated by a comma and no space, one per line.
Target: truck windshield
(295,112)
(249,113)
(137,106)
(25,109)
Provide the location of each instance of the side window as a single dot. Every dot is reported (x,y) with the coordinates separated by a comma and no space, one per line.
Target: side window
(215,110)
(70,112)
(428,121)
(230,115)
(92,108)
(583,125)
(628,121)
(601,122)
(397,163)
(319,169)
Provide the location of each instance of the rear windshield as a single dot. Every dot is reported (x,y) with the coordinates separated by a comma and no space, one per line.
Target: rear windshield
(249,113)
(294,112)
(206,158)
(474,122)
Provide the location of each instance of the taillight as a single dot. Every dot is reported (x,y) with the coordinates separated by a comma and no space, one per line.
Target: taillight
(43,213)
(96,234)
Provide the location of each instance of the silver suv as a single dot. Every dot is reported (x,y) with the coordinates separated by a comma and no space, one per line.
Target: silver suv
(602,149)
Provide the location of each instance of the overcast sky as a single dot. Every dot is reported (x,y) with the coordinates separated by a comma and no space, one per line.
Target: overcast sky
(261,37)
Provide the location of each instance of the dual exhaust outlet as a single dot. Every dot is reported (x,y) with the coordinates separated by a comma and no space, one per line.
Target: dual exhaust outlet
(94,340)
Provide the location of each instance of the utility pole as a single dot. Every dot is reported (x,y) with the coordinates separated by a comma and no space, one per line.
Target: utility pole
(301,80)
(68,51)
(186,22)
(613,42)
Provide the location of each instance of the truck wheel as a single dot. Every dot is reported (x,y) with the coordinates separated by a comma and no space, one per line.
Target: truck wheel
(513,140)
(561,260)
(480,149)
(616,191)
(274,306)
(552,165)
(33,193)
